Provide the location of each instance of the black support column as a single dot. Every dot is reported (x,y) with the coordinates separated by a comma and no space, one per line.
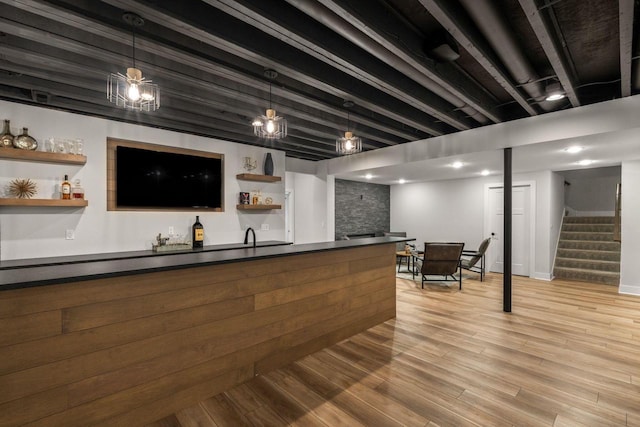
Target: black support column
(506,277)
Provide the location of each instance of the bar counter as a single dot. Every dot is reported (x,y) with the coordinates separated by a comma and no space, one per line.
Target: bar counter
(127,339)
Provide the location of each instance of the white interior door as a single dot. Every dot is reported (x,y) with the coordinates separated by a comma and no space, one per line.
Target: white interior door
(521,230)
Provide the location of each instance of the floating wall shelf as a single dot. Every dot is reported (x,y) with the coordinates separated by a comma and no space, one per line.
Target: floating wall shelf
(42,156)
(257,207)
(45,202)
(256,177)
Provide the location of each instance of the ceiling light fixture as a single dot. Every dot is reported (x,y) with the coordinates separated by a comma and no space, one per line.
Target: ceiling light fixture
(132,91)
(349,144)
(401,181)
(554,92)
(270,126)
(368,176)
(485,173)
(585,162)
(457,165)
(573,149)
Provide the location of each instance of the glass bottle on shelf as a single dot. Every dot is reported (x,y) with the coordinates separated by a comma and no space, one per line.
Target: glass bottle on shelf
(6,137)
(65,188)
(77,192)
(197,234)
(25,141)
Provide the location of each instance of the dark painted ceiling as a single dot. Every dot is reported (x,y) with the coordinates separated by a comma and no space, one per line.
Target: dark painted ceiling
(209,57)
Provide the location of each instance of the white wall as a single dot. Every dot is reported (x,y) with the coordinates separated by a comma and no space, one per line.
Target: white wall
(630,248)
(310,199)
(454,211)
(592,191)
(40,232)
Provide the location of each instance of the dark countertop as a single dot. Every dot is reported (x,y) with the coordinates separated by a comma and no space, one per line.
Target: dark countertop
(48,271)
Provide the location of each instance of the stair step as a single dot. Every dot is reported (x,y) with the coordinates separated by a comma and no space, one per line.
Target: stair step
(589,245)
(605,228)
(604,277)
(597,236)
(588,220)
(588,264)
(589,254)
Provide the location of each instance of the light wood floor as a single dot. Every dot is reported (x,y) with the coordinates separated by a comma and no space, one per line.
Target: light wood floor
(568,355)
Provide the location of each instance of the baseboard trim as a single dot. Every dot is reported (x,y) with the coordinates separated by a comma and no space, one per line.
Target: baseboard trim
(629,290)
(542,276)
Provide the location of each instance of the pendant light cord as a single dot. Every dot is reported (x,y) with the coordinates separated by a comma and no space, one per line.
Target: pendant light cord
(134,46)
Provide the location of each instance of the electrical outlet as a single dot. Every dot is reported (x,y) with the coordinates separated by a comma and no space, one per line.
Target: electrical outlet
(70,234)
(171,231)
(264,227)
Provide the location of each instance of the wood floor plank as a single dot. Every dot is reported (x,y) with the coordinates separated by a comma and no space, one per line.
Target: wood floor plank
(194,416)
(222,412)
(567,355)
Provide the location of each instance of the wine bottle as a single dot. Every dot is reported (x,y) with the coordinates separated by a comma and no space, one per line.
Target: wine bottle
(197,233)
(65,188)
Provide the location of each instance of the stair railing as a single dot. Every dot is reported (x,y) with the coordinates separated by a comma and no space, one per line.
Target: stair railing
(616,218)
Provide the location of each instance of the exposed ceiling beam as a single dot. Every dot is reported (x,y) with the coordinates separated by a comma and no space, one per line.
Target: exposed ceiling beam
(394,43)
(311,75)
(449,17)
(216,70)
(548,42)
(333,51)
(626,45)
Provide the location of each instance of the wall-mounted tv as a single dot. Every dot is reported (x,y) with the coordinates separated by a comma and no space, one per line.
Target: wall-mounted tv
(155,177)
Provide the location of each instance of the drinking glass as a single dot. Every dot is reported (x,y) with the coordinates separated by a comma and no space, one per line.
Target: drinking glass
(70,146)
(79,145)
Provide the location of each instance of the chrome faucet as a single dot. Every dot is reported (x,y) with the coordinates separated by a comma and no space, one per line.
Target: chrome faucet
(246,237)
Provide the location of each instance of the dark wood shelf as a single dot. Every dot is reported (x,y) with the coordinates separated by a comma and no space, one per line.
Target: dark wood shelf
(42,156)
(257,207)
(256,177)
(78,203)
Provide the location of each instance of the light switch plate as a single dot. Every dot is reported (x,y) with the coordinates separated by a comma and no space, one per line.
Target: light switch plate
(70,234)
(265,227)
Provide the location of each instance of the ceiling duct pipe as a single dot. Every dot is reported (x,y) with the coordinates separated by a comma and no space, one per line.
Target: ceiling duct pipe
(329,19)
(494,27)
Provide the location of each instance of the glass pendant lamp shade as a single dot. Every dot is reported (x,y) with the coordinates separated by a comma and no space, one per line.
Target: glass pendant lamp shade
(132,91)
(269,125)
(349,144)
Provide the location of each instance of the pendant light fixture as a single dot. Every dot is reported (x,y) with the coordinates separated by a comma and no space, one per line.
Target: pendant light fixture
(270,126)
(349,144)
(132,91)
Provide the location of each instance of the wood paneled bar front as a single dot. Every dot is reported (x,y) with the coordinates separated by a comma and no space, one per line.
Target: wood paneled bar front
(126,341)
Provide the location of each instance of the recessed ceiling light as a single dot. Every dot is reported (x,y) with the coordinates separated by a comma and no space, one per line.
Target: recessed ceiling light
(485,172)
(368,176)
(573,149)
(585,162)
(457,165)
(401,181)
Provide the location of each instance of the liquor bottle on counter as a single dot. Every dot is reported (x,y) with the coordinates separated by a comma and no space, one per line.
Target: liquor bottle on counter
(65,188)
(197,234)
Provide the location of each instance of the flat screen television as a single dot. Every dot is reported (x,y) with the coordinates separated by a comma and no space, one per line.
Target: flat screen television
(166,178)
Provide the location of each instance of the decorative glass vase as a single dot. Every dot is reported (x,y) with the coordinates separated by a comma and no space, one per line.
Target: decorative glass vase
(6,138)
(24,141)
(268,165)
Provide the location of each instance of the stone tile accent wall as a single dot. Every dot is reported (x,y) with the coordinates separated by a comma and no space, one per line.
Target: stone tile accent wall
(361,208)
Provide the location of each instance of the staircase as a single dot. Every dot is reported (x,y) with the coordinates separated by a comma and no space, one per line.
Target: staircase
(587,252)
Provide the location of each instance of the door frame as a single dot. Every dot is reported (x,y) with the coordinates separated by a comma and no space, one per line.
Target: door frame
(289,217)
(532,218)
